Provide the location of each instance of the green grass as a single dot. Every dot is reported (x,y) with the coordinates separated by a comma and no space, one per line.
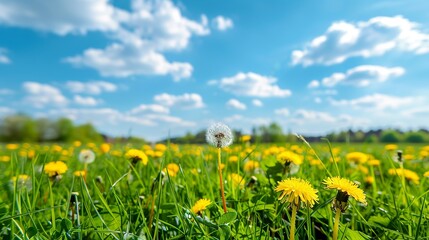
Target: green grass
(133,206)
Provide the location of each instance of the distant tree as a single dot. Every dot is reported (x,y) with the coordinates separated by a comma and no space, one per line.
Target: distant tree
(371,139)
(64,128)
(416,137)
(390,136)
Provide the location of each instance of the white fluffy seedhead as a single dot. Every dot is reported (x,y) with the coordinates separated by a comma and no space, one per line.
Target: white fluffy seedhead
(86,156)
(219,135)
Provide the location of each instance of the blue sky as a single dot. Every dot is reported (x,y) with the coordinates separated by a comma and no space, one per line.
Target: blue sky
(155,68)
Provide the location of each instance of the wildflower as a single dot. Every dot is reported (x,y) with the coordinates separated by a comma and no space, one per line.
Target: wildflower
(79,173)
(426,174)
(219,135)
(136,155)
(408,174)
(296,190)
(250,166)
(245,138)
(4,158)
(252,182)
(172,169)
(357,157)
(105,147)
(369,179)
(12,146)
(391,147)
(160,147)
(77,143)
(200,206)
(86,156)
(288,157)
(374,162)
(233,159)
(236,179)
(345,189)
(54,169)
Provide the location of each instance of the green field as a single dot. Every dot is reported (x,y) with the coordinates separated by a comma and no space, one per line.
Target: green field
(121,200)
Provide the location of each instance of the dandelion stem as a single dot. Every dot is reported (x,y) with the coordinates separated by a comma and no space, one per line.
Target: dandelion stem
(336,224)
(292,221)
(52,205)
(85,169)
(222,192)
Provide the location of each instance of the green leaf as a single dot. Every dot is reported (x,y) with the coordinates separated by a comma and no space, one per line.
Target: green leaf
(227,218)
(378,221)
(31,232)
(225,232)
(352,234)
(66,224)
(205,222)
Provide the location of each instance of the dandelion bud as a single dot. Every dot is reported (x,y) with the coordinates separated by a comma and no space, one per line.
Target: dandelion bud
(251,182)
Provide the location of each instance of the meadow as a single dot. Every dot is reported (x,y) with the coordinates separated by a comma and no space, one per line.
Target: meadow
(168,191)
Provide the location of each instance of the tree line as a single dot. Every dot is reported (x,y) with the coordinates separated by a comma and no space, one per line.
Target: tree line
(23,128)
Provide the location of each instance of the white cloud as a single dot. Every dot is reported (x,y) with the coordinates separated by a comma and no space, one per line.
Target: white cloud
(155,108)
(374,37)
(313,84)
(61,16)
(3,58)
(310,115)
(251,84)
(234,103)
(222,23)
(376,102)
(40,95)
(150,29)
(185,101)
(94,87)
(282,112)
(6,111)
(233,118)
(363,75)
(257,103)
(86,101)
(169,119)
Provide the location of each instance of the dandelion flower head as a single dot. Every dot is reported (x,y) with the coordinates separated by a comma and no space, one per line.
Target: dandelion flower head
(347,187)
(200,206)
(55,168)
(287,157)
(408,174)
(296,190)
(136,155)
(219,135)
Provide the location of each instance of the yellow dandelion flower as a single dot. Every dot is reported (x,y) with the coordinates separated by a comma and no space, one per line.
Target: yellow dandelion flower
(250,166)
(409,157)
(296,190)
(79,173)
(363,169)
(374,162)
(233,159)
(12,146)
(357,157)
(55,168)
(160,147)
(105,147)
(369,180)
(426,174)
(408,174)
(4,158)
(287,157)
(346,187)
(200,206)
(236,179)
(172,169)
(77,143)
(245,138)
(391,147)
(136,155)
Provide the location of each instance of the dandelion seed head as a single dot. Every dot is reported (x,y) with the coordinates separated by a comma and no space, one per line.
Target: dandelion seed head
(86,156)
(219,135)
